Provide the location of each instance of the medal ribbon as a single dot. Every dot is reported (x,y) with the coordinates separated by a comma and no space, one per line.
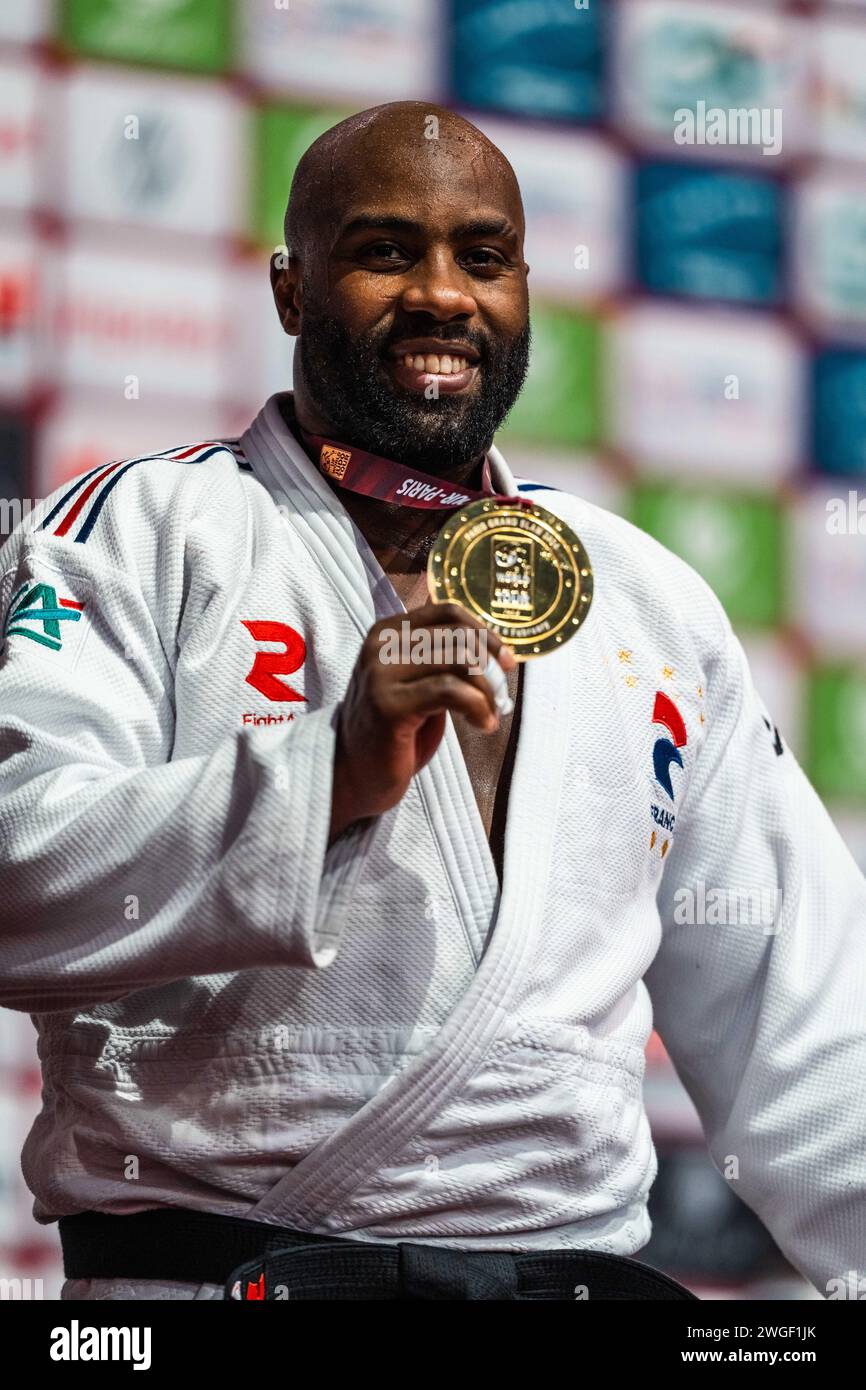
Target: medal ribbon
(390,481)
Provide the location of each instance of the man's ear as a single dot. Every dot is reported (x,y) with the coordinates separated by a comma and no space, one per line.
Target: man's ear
(286,286)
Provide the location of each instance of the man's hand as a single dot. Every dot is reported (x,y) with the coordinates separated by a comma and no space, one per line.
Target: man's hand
(393,715)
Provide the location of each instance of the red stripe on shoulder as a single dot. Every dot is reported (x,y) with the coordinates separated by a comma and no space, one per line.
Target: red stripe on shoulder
(79,502)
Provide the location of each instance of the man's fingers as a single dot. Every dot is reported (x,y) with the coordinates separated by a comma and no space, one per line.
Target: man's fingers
(495,677)
(489,678)
(442,639)
(444,691)
(447,617)
(455,615)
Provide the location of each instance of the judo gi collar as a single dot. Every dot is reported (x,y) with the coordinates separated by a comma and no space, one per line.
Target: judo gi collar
(389,481)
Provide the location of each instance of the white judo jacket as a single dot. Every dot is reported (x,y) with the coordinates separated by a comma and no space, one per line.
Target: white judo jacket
(372,1039)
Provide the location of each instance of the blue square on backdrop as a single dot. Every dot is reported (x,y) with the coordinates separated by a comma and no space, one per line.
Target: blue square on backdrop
(708,233)
(840,411)
(530,57)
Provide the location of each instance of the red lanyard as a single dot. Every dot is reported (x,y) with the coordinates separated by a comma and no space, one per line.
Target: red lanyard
(393,482)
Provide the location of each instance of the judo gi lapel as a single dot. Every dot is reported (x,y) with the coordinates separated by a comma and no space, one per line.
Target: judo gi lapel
(321,522)
(356,578)
(309,1196)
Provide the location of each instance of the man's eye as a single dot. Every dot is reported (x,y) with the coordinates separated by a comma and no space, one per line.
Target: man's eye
(384,250)
(483,256)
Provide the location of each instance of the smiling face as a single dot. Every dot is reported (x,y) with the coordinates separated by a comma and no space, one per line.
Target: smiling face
(407,287)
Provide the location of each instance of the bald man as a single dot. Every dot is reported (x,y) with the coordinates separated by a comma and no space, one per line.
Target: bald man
(343,966)
(420,365)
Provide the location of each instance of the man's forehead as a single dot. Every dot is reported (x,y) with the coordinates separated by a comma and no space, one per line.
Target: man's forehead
(452,217)
(415,186)
(398,160)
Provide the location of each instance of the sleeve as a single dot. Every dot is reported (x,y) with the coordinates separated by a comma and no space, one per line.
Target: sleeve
(759,985)
(122,866)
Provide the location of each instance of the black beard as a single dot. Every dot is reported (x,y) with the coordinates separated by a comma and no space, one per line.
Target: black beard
(344,379)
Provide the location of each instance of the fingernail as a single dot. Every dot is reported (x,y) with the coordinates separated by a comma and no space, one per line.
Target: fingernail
(495,676)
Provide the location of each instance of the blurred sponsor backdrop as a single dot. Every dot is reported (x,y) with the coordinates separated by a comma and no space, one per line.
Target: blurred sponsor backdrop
(699,311)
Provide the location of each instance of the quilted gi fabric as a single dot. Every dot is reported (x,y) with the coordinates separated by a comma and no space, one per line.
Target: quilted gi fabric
(373,1038)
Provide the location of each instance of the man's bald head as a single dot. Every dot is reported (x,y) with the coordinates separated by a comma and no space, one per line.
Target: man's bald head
(362,146)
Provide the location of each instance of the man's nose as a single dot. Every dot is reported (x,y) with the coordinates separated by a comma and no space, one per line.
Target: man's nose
(437,286)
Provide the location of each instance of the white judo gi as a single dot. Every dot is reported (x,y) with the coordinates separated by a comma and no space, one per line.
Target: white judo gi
(373,1040)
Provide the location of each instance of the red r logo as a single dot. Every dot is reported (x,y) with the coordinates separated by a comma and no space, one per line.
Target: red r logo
(269,665)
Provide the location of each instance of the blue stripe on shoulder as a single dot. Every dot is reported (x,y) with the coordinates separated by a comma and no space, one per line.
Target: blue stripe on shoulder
(90,519)
(79,483)
(93,514)
(85,478)
(534,487)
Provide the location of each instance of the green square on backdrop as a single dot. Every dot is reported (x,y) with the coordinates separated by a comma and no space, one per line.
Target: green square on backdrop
(836,731)
(282,134)
(736,540)
(194,34)
(560,403)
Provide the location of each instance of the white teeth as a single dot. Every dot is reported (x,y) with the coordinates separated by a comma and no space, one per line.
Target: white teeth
(446,365)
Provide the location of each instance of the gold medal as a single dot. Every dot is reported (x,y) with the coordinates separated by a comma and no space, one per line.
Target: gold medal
(520,570)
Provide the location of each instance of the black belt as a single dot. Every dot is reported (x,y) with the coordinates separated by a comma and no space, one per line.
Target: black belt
(258,1261)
